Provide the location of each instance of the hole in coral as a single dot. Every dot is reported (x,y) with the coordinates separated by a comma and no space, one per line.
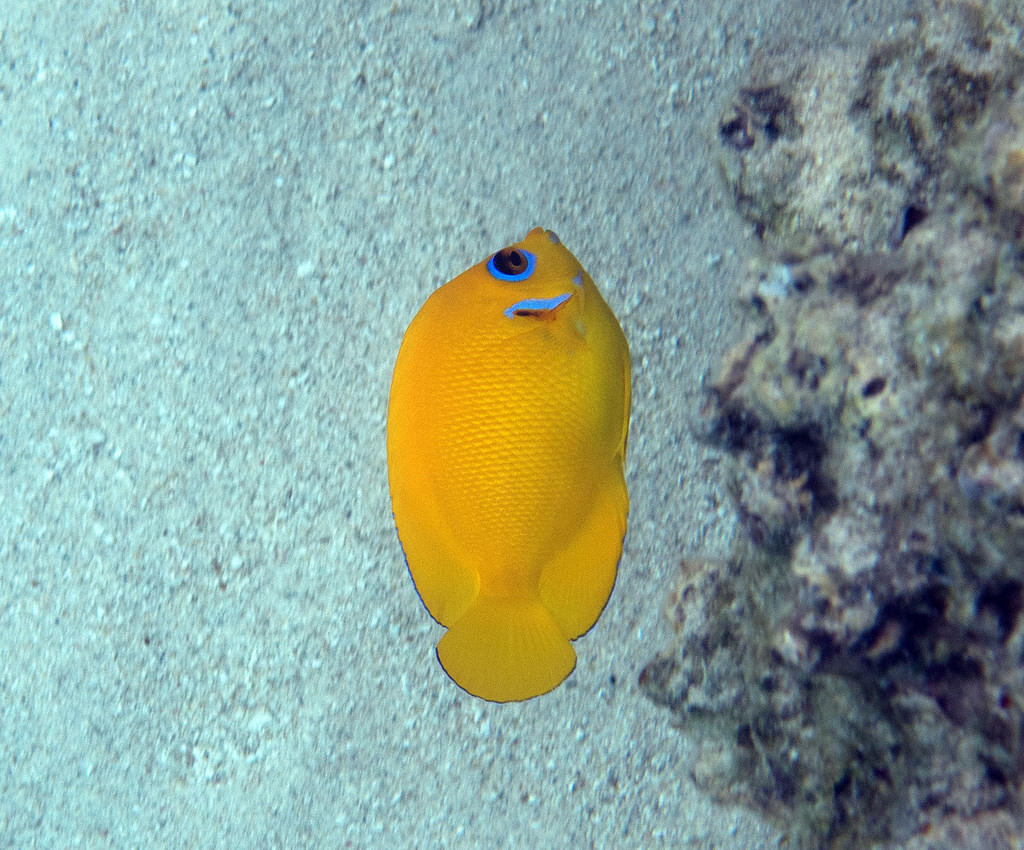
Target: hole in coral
(842,785)
(735,429)
(995,774)
(873,387)
(979,422)
(803,283)
(736,131)
(1003,602)
(785,782)
(913,215)
(904,629)
(801,451)
(957,686)
(743,737)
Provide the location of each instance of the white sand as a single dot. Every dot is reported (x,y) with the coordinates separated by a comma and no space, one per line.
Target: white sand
(214,228)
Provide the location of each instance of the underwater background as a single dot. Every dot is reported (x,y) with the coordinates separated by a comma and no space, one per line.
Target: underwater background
(216,222)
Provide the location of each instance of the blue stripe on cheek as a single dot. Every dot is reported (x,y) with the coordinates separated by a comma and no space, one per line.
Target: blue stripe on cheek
(533,306)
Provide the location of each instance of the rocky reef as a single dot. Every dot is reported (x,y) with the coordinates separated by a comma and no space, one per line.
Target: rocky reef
(855,667)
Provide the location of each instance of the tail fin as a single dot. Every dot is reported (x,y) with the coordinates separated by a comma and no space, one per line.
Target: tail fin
(505,649)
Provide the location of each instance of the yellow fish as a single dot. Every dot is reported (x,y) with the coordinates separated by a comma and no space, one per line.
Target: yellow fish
(507,428)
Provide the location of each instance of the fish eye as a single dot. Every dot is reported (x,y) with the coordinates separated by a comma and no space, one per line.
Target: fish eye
(512,264)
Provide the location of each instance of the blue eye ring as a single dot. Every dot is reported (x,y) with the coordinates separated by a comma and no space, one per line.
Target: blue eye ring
(512,264)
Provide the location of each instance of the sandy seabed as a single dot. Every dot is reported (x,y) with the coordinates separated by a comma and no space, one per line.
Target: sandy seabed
(216,221)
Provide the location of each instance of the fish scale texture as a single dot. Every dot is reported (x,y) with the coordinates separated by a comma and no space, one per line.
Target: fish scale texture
(501,440)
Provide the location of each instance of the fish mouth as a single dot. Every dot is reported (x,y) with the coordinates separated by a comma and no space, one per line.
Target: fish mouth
(538,308)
